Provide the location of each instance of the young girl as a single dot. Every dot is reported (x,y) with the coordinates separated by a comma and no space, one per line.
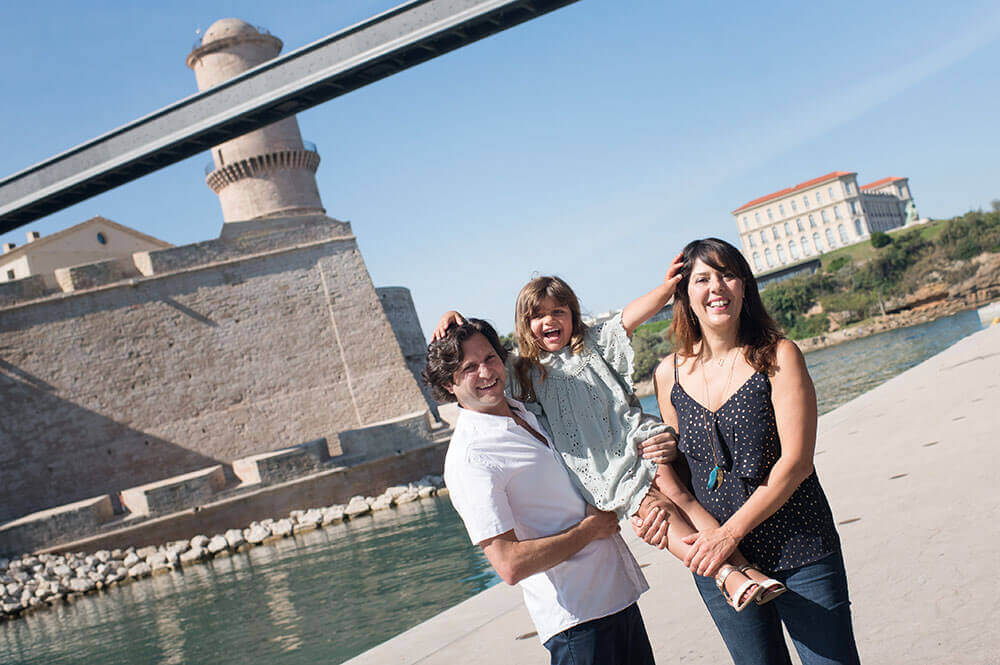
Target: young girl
(581,377)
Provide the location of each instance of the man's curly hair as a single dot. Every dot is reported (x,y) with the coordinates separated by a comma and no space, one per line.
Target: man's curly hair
(445,355)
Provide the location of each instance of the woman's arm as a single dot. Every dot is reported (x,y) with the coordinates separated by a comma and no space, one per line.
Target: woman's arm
(448,318)
(643,307)
(794,399)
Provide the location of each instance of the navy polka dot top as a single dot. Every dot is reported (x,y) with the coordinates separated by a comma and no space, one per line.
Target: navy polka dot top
(745,438)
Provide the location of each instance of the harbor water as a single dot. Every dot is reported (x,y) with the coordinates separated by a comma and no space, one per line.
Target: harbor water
(327,595)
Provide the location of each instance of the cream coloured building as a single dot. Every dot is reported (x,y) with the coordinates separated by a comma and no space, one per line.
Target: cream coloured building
(819,215)
(95,240)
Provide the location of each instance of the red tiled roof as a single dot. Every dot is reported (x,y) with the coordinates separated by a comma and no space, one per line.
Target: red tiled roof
(802,185)
(879,183)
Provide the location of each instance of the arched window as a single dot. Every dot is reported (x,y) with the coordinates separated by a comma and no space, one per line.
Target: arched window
(812,222)
(818,243)
(788,229)
(774,232)
(857,228)
(843,234)
(768,257)
(798,223)
(756,262)
(781,254)
(763,238)
(793,249)
(805,246)
(829,239)
(752,242)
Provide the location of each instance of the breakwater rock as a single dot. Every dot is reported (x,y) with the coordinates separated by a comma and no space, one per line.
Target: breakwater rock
(34,581)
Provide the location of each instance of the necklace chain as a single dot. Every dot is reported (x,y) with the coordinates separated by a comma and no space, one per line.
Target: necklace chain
(717,475)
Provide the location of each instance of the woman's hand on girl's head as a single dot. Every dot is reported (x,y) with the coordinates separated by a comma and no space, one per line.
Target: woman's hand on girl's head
(710,549)
(449,318)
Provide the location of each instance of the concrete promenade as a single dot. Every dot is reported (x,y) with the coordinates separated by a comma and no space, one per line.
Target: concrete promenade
(909,468)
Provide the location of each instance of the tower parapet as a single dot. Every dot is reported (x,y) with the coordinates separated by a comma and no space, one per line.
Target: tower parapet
(269,172)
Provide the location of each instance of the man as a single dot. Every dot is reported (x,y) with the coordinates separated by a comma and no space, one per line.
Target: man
(579,580)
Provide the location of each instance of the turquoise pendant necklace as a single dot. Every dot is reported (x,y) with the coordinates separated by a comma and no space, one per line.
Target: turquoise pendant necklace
(718,474)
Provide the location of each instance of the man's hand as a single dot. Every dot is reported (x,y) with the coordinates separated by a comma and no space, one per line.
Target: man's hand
(652,520)
(661,448)
(449,318)
(600,523)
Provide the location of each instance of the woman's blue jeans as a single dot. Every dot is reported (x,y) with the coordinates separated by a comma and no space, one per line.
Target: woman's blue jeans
(816,611)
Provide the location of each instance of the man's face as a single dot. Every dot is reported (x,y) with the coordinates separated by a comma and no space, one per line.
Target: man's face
(479,382)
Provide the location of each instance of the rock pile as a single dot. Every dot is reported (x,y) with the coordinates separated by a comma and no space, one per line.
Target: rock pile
(33,581)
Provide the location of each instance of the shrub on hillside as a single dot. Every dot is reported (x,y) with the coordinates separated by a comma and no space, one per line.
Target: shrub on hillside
(837,263)
(880,239)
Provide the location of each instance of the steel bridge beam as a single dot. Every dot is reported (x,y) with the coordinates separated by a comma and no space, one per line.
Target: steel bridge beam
(335,65)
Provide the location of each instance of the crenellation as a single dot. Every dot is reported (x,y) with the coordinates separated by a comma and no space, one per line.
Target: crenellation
(93,275)
(21,290)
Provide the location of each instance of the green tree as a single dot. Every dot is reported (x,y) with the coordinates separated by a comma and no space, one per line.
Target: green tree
(880,239)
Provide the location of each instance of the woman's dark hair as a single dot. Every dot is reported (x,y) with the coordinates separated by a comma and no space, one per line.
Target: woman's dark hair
(444,356)
(757,332)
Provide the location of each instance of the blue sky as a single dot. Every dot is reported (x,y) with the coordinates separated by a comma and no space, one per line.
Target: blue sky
(592,143)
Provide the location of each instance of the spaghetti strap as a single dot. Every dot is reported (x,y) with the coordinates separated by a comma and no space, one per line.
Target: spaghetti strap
(675,369)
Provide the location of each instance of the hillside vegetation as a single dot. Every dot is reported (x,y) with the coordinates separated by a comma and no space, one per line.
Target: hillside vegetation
(860,281)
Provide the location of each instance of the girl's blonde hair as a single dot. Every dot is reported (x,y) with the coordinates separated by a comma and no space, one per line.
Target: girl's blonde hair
(528,302)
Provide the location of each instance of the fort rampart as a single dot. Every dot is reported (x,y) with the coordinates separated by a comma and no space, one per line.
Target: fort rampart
(213,352)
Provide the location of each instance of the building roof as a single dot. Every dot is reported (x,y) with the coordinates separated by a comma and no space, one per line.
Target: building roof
(791,190)
(879,183)
(93,221)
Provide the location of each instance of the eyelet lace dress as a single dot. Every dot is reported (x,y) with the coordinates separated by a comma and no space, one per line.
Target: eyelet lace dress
(595,419)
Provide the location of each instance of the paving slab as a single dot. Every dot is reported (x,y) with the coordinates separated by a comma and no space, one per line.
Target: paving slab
(909,468)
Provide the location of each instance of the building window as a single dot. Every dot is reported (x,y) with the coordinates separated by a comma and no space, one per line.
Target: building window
(798,223)
(794,207)
(756,218)
(788,229)
(843,234)
(781,209)
(822,213)
(805,200)
(756,262)
(805,246)
(836,212)
(857,227)
(101,239)
(781,254)
(750,238)
(829,239)
(829,190)
(793,249)
(847,188)
(746,222)
(903,194)
(763,238)
(819,197)
(774,232)
(768,257)
(10,274)
(818,243)
(770,215)
(812,221)
(854,207)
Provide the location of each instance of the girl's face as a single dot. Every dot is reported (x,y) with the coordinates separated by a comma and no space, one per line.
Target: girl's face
(716,297)
(551,325)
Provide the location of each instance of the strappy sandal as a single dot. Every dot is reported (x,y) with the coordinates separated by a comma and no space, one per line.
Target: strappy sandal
(769,588)
(746,594)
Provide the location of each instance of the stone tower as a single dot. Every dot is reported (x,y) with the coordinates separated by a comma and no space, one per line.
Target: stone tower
(268,173)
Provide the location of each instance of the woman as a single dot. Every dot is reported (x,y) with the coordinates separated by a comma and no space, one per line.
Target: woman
(745,409)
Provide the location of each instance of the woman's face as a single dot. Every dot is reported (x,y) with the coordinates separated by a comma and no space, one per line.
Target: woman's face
(716,297)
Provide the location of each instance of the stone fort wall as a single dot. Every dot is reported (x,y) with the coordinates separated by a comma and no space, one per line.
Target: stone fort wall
(216,351)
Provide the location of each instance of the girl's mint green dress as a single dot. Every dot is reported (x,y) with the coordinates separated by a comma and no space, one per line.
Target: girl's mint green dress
(595,419)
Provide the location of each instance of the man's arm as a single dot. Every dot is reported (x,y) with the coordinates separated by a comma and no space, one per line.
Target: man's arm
(515,559)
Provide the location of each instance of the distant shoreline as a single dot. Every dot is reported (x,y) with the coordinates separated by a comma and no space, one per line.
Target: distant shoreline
(874,326)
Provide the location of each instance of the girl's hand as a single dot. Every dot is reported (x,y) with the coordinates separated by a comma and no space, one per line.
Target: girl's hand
(442,327)
(709,550)
(674,275)
(653,529)
(661,448)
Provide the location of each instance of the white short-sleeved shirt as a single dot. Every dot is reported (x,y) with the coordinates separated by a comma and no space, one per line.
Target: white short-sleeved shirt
(500,478)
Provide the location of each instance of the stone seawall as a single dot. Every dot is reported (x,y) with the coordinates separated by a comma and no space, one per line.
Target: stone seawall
(124,384)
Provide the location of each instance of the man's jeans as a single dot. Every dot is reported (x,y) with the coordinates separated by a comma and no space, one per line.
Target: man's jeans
(618,639)
(815,610)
